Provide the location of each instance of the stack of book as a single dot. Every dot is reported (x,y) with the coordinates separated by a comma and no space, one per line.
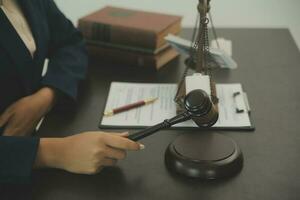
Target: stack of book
(130,37)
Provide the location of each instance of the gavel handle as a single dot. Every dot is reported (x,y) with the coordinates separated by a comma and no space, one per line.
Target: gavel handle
(146,132)
(163,125)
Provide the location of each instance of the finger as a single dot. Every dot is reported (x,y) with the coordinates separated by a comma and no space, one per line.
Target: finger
(98,170)
(11,128)
(5,117)
(115,153)
(19,127)
(121,143)
(10,132)
(16,127)
(124,134)
(109,162)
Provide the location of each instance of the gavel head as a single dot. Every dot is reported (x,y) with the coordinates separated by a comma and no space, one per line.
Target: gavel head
(203,112)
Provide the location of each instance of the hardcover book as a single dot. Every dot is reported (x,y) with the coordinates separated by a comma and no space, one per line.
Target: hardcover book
(129,27)
(131,58)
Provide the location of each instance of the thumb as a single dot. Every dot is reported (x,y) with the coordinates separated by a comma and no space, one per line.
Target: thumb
(126,134)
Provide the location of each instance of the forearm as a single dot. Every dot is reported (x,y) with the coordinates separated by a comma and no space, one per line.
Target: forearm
(48,96)
(49,153)
(84,153)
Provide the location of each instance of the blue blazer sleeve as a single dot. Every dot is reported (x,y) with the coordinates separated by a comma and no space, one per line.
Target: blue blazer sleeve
(67,54)
(17,155)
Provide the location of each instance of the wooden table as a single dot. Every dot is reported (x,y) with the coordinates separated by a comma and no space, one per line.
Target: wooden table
(269,70)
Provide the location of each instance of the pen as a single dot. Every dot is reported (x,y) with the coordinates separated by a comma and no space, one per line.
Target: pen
(129,107)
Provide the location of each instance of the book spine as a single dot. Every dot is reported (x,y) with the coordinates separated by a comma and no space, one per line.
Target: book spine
(118,35)
(127,47)
(121,57)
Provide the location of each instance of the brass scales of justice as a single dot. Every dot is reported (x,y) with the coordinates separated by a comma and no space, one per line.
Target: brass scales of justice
(199,59)
(198,154)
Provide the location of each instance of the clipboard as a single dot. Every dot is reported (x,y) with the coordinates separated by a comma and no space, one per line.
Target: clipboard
(244,128)
(118,122)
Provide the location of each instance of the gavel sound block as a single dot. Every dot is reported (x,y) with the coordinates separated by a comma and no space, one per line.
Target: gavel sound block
(198,155)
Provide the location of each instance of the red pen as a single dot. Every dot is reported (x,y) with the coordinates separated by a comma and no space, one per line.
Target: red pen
(129,107)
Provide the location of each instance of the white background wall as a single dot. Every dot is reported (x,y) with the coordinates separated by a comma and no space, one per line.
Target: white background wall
(226,13)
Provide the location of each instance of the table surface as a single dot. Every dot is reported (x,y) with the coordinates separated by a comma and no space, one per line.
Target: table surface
(269,71)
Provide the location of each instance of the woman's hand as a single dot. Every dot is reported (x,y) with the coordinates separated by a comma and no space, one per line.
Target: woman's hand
(85,153)
(21,117)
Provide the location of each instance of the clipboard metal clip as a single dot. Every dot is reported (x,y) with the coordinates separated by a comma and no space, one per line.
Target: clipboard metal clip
(237,100)
(238,108)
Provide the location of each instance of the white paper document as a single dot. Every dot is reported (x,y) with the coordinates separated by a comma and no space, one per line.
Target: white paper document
(198,81)
(121,94)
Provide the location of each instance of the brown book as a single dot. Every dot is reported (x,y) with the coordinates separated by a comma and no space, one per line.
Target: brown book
(131,58)
(129,27)
(129,48)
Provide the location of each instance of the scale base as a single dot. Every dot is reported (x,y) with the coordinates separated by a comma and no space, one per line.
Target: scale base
(204,155)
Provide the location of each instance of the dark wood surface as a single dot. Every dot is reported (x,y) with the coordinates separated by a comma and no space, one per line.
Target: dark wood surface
(269,70)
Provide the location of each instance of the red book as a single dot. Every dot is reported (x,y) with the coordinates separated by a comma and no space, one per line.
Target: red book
(129,27)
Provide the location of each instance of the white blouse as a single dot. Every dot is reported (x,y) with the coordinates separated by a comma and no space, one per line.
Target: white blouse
(19,22)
